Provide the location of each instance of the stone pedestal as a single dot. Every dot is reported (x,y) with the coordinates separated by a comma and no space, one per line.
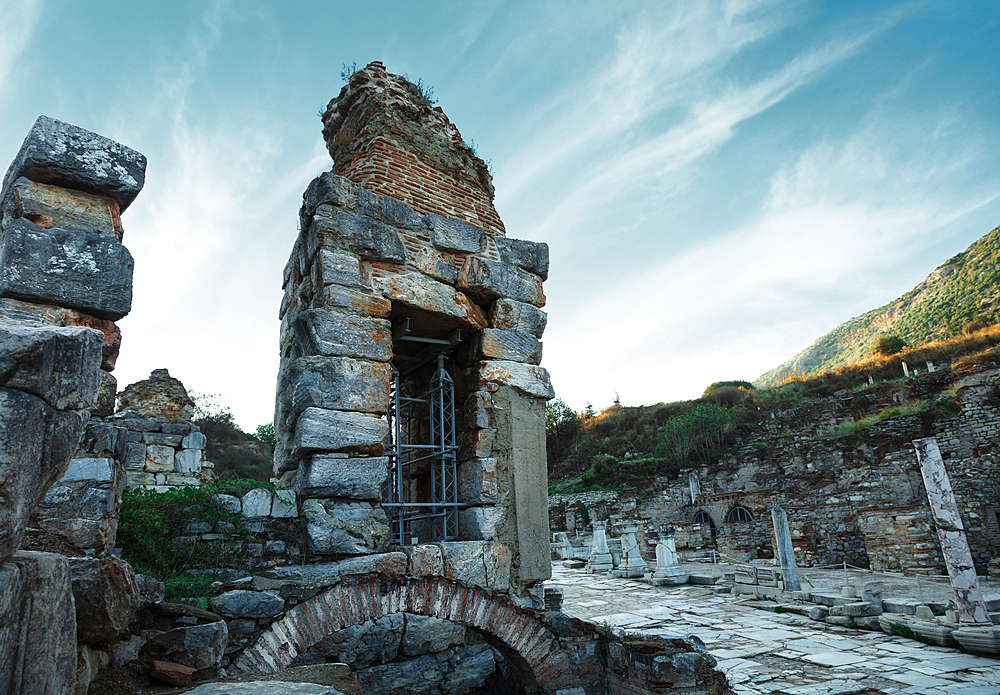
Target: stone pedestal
(632,564)
(786,553)
(561,548)
(668,569)
(969,601)
(600,555)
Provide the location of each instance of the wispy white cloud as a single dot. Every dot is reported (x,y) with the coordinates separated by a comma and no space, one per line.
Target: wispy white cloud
(18,19)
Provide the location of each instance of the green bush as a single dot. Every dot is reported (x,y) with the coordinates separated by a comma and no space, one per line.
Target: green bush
(887,344)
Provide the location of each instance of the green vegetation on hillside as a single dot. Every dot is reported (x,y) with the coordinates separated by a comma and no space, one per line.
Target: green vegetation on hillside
(962,295)
(235,453)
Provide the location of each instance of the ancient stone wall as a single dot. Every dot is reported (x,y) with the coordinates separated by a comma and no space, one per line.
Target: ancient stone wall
(414,254)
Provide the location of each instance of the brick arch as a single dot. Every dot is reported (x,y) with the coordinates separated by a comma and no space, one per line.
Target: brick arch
(525,641)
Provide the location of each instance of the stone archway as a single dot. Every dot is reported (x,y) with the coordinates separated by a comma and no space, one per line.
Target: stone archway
(527,643)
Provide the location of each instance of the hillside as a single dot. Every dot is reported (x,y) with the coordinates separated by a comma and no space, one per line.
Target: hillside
(963,290)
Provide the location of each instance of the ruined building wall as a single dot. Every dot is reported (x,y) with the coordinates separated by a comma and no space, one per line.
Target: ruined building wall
(65,278)
(411,244)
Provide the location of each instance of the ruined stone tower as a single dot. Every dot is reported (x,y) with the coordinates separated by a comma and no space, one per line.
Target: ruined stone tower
(410,407)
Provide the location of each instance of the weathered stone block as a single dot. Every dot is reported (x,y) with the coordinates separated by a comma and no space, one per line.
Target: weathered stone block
(241,603)
(477,410)
(256,503)
(107,595)
(36,443)
(339,476)
(334,383)
(94,470)
(477,444)
(37,625)
(329,188)
(60,365)
(135,456)
(518,316)
(477,481)
(53,206)
(160,397)
(525,378)
(352,300)
(159,458)
(337,268)
(171,440)
(75,269)
(140,479)
(345,528)
(229,503)
(424,634)
(107,393)
(512,346)
(65,155)
(423,560)
(16,312)
(188,461)
(457,670)
(486,280)
(433,263)
(338,431)
(284,505)
(454,235)
(337,229)
(532,256)
(360,646)
(421,293)
(198,646)
(478,563)
(480,523)
(335,334)
(194,440)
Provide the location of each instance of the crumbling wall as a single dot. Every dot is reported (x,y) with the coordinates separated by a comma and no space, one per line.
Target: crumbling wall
(418,248)
(63,274)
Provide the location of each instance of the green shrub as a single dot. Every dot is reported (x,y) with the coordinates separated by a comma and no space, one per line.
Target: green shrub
(887,344)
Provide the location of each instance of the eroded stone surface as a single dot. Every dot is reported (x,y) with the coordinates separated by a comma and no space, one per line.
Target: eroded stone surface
(160,397)
(339,432)
(341,476)
(346,528)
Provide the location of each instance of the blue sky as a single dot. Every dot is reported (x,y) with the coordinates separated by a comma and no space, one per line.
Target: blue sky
(719,183)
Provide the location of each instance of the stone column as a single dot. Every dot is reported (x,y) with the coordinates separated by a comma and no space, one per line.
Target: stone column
(600,554)
(632,564)
(786,553)
(668,569)
(954,545)
(695,485)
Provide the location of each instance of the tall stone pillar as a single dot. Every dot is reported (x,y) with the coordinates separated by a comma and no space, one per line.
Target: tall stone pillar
(600,555)
(954,545)
(632,564)
(786,552)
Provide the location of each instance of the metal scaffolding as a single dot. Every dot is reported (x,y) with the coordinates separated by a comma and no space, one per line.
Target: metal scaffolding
(422,444)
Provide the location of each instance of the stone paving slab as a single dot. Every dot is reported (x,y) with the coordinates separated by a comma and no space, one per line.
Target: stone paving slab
(765,653)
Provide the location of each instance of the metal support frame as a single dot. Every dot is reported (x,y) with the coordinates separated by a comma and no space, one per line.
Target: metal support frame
(410,418)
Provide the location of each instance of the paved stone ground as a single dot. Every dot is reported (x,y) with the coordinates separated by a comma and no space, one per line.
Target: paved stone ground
(764,652)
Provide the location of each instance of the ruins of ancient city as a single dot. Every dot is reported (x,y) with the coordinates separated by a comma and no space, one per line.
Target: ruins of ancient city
(407,540)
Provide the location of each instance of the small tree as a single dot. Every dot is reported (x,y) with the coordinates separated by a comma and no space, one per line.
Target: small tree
(887,344)
(265,433)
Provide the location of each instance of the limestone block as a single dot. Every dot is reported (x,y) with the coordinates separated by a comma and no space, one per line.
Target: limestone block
(336,334)
(96,470)
(477,410)
(416,291)
(478,563)
(340,476)
(256,503)
(480,523)
(334,383)
(36,443)
(107,393)
(188,461)
(477,444)
(159,458)
(532,256)
(241,603)
(197,646)
(477,481)
(37,625)
(329,188)
(194,440)
(513,346)
(53,206)
(171,440)
(107,595)
(423,560)
(79,270)
(433,263)
(486,280)
(65,155)
(423,634)
(336,431)
(59,365)
(360,646)
(454,235)
(518,316)
(855,610)
(527,379)
(384,563)
(16,312)
(230,503)
(339,230)
(140,479)
(177,479)
(819,612)
(284,505)
(352,300)
(337,268)
(353,528)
